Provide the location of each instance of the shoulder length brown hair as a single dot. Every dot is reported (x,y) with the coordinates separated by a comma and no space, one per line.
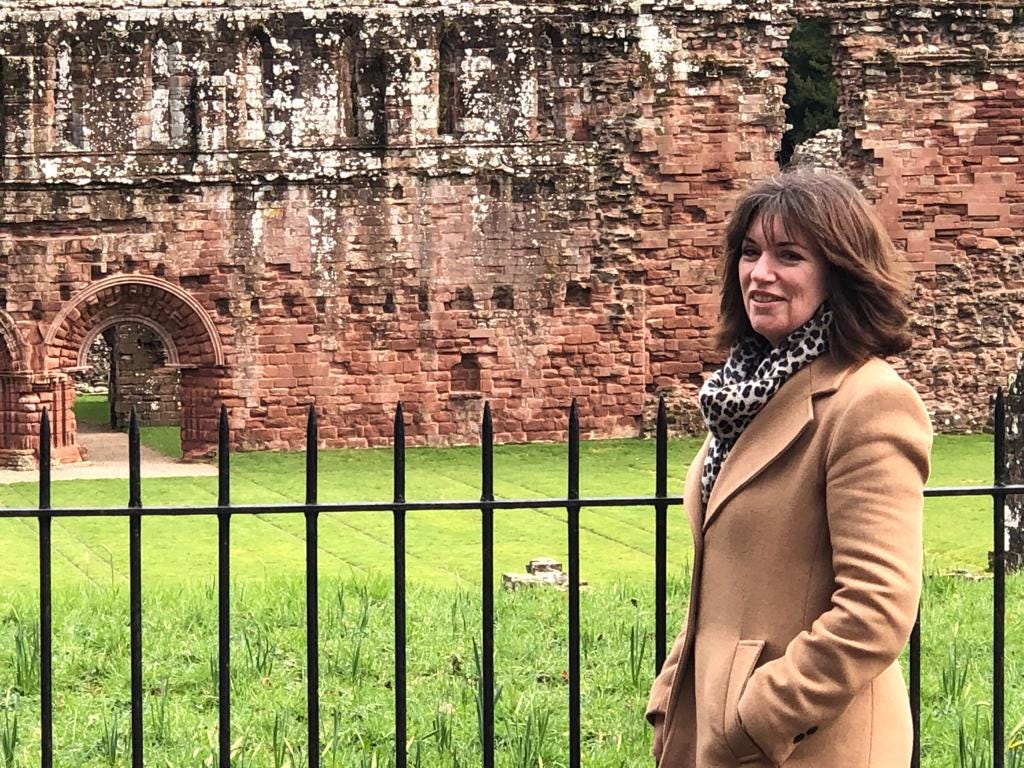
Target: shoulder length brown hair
(866,290)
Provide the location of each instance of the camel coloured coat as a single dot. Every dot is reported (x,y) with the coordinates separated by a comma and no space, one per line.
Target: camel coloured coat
(806,579)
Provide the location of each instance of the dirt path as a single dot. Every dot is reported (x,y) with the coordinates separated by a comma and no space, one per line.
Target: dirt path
(108,459)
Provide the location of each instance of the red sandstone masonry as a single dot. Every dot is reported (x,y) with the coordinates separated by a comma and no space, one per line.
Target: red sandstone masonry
(536,256)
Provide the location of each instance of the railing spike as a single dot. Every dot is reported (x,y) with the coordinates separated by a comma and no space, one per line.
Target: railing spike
(312,440)
(134,462)
(44,460)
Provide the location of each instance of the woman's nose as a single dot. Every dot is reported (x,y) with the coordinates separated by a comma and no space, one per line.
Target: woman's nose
(763,271)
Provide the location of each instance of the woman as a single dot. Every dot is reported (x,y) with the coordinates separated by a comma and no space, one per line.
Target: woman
(805,501)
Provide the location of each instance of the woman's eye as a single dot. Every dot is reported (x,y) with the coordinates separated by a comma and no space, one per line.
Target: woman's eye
(750,253)
(792,256)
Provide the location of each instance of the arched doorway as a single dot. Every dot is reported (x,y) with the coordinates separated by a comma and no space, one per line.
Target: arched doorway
(127,366)
(167,343)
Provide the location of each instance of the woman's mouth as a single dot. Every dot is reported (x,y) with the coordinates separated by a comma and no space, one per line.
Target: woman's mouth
(761,297)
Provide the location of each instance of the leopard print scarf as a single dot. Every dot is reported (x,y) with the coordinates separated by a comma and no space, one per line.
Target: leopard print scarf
(753,373)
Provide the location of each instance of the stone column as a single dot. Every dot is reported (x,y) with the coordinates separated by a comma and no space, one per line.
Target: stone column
(22,399)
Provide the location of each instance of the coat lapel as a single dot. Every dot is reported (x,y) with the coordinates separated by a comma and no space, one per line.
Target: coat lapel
(691,494)
(782,420)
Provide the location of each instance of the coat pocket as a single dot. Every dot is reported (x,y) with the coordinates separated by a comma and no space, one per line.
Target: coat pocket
(744,661)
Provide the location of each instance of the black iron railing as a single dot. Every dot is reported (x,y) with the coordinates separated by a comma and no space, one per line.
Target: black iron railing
(312,508)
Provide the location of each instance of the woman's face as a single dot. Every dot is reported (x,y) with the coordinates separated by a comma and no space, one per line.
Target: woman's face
(782,278)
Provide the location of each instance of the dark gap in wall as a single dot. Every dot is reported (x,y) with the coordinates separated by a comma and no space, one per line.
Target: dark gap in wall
(548,66)
(321,304)
(389,302)
(697,214)
(355,303)
(397,192)
(811,92)
(254,306)
(577,295)
(65,292)
(449,88)
(194,281)
(3,298)
(223,307)
(160,270)
(423,300)
(37,309)
(372,87)
(193,125)
(464,299)
(503,297)
(466,374)
(96,271)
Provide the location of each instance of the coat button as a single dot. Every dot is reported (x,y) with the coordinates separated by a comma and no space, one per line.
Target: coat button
(798,738)
(812,730)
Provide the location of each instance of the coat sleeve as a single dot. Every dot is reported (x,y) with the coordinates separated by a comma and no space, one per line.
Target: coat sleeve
(876,466)
(657,702)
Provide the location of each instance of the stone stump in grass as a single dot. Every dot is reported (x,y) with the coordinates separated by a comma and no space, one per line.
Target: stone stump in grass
(540,572)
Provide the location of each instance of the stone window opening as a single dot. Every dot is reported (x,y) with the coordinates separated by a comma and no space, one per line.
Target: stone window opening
(464,299)
(256,86)
(347,93)
(549,66)
(465,375)
(71,85)
(450,107)
(171,96)
(811,91)
(371,85)
(502,298)
(577,294)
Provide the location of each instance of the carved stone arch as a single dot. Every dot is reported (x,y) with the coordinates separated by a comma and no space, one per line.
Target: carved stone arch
(122,298)
(13,351)
(170,350)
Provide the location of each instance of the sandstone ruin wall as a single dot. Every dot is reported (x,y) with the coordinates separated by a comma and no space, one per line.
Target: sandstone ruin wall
(450,202)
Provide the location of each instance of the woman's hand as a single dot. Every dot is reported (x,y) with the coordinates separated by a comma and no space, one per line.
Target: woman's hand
(659,737)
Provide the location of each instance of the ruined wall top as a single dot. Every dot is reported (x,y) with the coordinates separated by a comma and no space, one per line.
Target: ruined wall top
(1005,11)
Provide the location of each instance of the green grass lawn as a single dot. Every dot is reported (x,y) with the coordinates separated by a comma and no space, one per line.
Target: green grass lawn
(94,410)
(443,548)
(91,636)
(91,673)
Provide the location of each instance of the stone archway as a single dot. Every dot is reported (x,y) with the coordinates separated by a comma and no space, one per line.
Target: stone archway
(190,338)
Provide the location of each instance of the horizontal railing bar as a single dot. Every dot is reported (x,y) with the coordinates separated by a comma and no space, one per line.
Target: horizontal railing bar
(359,506)
(975,490)
(441,506)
